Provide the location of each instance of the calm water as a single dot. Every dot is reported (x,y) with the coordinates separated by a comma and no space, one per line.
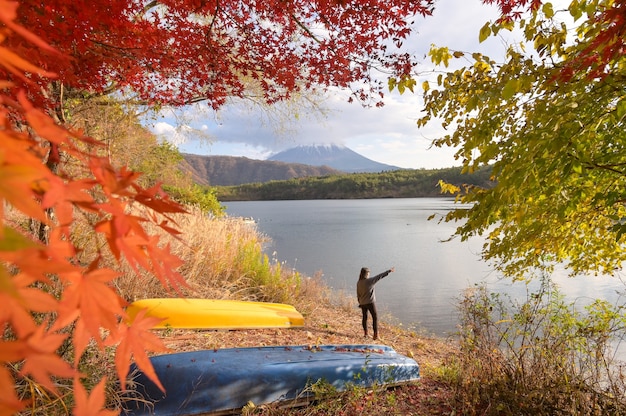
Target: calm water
(335,238)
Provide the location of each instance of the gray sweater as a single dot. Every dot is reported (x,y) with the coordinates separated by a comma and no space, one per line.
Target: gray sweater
(365,288)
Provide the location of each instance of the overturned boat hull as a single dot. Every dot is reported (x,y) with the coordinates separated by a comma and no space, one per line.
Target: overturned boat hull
(196,313)
(217,381)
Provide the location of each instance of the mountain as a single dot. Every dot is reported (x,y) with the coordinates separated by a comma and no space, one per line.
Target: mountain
(231,170)
(337,157)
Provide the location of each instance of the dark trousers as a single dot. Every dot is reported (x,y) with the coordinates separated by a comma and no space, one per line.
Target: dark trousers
(371,307)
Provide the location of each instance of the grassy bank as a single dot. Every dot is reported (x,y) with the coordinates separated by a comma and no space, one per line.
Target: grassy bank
(223,259)
(537,356)
(540,356)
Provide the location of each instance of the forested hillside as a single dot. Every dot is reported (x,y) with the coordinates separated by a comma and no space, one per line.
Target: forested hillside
(395,184)
(230,170)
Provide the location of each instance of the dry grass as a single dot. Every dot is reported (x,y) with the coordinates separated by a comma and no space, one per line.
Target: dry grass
(223,259)
(210,249)
(539,356)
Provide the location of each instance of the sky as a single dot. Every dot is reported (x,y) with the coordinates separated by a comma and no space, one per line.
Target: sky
(388,135)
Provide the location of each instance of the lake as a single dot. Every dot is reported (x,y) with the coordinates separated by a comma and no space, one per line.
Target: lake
(335,238)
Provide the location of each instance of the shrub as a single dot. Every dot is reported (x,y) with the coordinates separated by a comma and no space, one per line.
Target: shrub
(540,356)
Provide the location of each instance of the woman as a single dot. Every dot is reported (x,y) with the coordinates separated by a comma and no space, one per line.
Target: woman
(367,298)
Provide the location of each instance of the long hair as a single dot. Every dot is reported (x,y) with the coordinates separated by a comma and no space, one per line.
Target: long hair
(364,272)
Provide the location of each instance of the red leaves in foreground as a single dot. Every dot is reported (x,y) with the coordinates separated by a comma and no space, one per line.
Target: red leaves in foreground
(176,52)
(91,404)
(86,307)
(513,9)
(135,340)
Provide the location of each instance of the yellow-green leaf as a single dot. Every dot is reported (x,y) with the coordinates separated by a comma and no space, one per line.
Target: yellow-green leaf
(510,89)
(448,188)
(485,32)
(575,10)
(577,167)
(439,55)
(548,10)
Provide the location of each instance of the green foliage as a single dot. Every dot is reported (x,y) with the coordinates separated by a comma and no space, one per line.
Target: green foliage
(127,143)
(557,147)
(267,281)
(448,373)
(538,356)
(392,184)
(402,84)
(196,195)
(160,164)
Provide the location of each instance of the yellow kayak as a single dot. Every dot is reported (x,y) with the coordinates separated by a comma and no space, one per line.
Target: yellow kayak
(217,313)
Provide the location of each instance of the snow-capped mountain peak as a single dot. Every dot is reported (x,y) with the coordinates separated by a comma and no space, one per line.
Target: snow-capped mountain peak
(333,155)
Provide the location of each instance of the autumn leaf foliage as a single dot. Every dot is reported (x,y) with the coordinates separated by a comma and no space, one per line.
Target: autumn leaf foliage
(602,33)
(548,120)
(30,271)
(182,51)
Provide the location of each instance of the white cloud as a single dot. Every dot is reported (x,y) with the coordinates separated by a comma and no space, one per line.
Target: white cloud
(163,128)
(175,134)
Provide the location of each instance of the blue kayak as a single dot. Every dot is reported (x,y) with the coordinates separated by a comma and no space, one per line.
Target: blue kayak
(227,379)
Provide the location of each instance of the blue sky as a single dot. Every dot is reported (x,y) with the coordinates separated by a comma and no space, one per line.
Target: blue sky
(388,134)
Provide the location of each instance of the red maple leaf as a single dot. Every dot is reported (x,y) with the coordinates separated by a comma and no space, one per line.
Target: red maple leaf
(17,185)
(92,295)
(19,300)
(91,404)
(41,359)
(9,402)
(135,340)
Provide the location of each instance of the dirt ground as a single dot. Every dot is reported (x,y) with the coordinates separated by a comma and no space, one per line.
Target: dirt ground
(336,325)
